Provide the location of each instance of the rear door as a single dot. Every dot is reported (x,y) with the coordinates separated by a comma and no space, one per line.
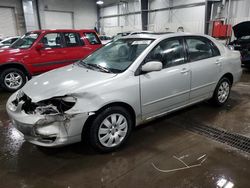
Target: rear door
(78,47)
(169,88)
(205,64)
(75,47)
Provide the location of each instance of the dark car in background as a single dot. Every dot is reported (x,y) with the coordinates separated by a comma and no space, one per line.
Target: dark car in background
(242,42)
(43,50)
(105,39)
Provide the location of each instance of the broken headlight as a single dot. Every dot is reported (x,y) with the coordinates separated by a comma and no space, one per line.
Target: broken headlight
(55,105)
(19,97)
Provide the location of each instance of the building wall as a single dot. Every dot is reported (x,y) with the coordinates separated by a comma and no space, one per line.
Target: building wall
(191,18)
(155,4)
(239,11)
(114,25)
(18,10)
(84,11)
(30,15)
(85,14)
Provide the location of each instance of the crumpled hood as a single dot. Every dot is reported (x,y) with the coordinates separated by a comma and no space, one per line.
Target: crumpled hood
(63,81)
(242,29)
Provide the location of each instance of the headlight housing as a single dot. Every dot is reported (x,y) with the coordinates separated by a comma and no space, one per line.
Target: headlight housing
(52,106)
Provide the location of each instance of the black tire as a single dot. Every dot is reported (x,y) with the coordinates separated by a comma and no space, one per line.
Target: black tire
(215,99)
(15,71)
(97,122)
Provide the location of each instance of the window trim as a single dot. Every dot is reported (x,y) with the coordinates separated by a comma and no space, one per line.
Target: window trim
(180,38)
(204,39)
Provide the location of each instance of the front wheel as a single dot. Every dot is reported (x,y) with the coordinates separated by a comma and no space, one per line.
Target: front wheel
(222,92)
(110,129)
(12,79)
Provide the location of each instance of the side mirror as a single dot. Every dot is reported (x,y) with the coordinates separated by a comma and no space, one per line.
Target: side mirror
(152,66)
(39,46)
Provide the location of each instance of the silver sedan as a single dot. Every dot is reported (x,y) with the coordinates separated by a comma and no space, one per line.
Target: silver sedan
(125,83)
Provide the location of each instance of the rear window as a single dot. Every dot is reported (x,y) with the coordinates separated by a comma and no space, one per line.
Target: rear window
(201,48)
(92,38)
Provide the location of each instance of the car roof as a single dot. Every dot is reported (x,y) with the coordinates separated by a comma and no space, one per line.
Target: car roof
(63,30)
(135,32)
(160,35)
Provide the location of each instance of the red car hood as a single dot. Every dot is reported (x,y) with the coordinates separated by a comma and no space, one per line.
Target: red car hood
(9,54)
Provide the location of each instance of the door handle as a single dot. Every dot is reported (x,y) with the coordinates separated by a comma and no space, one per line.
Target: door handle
(184,70)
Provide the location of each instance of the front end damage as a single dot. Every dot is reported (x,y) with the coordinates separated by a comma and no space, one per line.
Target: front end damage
(50,122)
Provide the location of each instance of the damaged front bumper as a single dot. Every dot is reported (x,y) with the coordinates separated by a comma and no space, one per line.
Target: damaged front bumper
(46,130)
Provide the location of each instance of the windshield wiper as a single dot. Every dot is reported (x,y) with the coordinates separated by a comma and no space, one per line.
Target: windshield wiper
(104,69)
(91,66)
(88,66)
(82,63)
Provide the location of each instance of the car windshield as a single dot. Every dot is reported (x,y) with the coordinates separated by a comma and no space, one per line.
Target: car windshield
(25,41)
(116,56)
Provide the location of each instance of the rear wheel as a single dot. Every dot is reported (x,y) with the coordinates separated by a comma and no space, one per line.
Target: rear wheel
(110,129)
(12,79)
(222,92)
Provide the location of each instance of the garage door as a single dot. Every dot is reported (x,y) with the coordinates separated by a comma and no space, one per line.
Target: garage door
(7,22)
(58,20)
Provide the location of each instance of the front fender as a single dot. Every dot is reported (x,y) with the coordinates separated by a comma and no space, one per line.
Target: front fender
(99,97)
(16,65)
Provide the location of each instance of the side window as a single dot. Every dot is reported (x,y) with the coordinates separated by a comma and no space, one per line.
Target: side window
(200,49)
(71,39)
(92,38)
(170,52)
(52,40)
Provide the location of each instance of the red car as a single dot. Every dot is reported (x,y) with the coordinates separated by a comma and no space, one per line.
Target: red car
(40,51)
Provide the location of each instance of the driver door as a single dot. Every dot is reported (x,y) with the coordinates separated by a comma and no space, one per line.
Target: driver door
(52,56)
(168,89)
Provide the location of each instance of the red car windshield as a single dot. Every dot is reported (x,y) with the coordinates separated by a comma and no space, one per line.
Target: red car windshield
(25,41)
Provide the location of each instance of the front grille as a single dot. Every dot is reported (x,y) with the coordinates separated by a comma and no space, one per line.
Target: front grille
(232,139)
